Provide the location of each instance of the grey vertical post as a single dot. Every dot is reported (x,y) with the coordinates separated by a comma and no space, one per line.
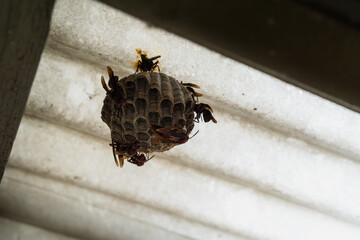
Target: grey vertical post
(24,26)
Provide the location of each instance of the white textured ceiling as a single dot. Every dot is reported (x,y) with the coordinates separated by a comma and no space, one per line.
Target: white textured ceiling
(280,164)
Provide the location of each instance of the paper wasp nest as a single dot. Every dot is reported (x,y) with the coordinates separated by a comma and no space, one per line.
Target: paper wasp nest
(149,111)
(152,99)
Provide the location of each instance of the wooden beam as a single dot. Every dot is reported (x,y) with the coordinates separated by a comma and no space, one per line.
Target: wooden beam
(24,27)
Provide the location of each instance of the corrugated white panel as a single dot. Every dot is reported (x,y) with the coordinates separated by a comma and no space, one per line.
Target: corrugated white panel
(67,206)
(13,230)
(287,170)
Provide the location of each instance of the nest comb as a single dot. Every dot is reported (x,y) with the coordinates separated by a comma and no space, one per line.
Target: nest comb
(139,101)
(149,111)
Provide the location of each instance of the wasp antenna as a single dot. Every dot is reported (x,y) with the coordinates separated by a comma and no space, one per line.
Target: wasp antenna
(141,52)
(208,107)
(138,50)
(214,120)
(110,72)
(104,84)
(198,94)
(190,85)
(151,157)
(194,134)
(153,58)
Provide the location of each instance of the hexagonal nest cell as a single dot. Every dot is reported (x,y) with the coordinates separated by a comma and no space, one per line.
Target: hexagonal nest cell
(152,99)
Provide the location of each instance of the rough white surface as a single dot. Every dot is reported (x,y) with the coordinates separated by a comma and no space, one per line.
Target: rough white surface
(288,170)
(250,153)
(13,230)
(88,214)
(179,190)
(95,29)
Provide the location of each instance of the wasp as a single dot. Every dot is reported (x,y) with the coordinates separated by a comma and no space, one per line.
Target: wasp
(128,152)
(112,89)
(170,134)
(139,159)
(190,87)
(120,150)
(205,110)
(146,64)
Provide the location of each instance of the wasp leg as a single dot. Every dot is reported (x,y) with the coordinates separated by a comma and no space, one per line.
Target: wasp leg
(194,134)
(114,154)
(155,66)
(121,161)
(196,94)
(138,66)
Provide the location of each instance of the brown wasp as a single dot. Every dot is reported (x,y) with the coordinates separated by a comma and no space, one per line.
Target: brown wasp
(205,110)
(128,152)
(170,134)
(120,150)
(190,87)
(139,159)
(146,64)
(112,89)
